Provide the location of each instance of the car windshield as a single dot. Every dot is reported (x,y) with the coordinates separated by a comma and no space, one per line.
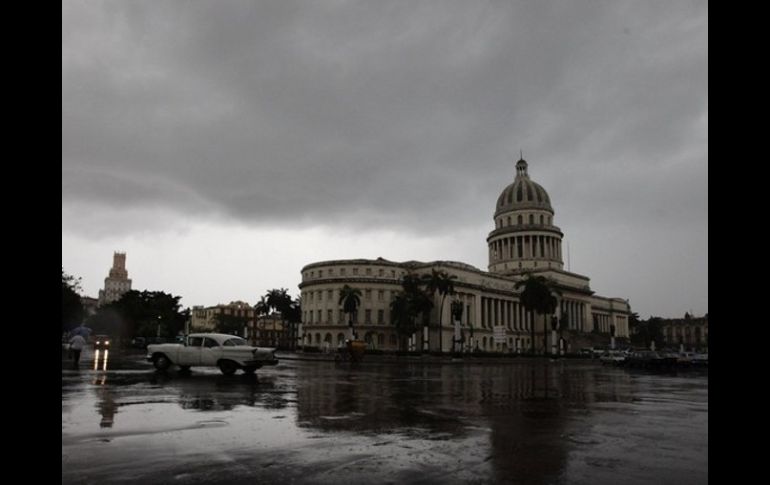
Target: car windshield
(232,342)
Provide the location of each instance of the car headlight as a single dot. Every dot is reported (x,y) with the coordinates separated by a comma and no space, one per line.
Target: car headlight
(97,342)
(106,342)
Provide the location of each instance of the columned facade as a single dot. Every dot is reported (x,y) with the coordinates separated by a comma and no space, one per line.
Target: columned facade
(524,241)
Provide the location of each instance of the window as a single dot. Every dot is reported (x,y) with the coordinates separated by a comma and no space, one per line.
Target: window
(342,271)
(330,295)
(320,273)
(531,219)
(380,272)
(234,342)
(355,271)
(312,274)
(542,219)
(380,316)
(509,220)
(368,271)
(329,317)
(368,294)
(393,273)
(319,316)
(381,295)
(519,220)
(194,341)
(331,272)
(368,316)
(209,342)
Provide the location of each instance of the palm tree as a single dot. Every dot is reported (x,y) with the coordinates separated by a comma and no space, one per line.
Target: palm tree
(262,308)
(402,318)
(350,300)
(279,300)
(441,282)
(537,296)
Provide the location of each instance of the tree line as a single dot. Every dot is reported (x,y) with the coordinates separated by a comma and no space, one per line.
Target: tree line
(156,313)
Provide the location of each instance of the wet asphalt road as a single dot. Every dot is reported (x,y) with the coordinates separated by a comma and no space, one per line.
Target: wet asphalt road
(529,421)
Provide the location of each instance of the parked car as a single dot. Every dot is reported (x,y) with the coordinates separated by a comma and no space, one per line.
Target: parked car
(139,343)
(613,357)
(228,352)
(101,342)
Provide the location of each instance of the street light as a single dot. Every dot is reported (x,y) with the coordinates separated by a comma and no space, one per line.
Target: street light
(158,327)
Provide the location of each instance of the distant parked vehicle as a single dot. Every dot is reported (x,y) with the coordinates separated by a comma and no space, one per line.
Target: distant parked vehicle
(139,342)
(700,359)
(586,352)
(613,357)
(228,352)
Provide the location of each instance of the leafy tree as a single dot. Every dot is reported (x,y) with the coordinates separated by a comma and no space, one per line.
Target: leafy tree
(72,311)
(655,331)
(633,322)
(145,314)
(350,300)
(441,282)
(537,296)
(232,324)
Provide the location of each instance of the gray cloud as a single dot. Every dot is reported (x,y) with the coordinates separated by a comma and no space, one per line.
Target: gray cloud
(404,114)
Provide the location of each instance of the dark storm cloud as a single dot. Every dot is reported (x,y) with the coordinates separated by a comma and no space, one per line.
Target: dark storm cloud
(409,114)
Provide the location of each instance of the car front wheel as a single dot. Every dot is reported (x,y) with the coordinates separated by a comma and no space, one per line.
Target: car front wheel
(228,367)
(161,362)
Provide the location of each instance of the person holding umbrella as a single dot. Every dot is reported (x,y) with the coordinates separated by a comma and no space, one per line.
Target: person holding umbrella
(77,342)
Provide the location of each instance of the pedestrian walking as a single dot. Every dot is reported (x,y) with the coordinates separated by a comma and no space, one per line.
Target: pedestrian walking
(77,342)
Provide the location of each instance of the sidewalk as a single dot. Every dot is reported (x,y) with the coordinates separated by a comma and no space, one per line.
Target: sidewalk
(423,358)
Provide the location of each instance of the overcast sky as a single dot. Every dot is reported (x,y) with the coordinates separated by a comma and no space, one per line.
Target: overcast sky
(223,145)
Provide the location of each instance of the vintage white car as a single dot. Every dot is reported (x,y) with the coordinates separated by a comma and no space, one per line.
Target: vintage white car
(228,352)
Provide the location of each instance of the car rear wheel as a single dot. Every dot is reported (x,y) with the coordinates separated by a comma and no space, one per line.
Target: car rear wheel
(228,367)
(161,362)
(250,370)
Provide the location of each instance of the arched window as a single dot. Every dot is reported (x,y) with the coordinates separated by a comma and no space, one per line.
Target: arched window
(519,220)
(509,220)
(531,219)
(542,220)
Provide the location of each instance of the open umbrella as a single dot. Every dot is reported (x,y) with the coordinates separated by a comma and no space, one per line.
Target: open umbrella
(82,330)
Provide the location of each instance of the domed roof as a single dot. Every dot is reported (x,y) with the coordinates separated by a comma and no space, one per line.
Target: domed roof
(523,193)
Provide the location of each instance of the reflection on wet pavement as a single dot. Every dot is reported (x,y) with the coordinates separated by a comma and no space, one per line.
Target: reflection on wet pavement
(529,421)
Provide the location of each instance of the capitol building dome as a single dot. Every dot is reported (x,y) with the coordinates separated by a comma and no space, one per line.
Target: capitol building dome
(523,193)
(524,237)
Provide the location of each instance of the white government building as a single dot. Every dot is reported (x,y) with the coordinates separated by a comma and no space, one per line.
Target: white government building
(524,241)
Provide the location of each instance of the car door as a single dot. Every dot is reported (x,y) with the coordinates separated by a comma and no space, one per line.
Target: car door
(190,354)
(210,352)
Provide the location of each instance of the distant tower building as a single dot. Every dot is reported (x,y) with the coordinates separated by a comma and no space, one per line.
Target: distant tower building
(117,282)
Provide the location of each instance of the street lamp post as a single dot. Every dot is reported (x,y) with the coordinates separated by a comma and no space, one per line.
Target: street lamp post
(158,327)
